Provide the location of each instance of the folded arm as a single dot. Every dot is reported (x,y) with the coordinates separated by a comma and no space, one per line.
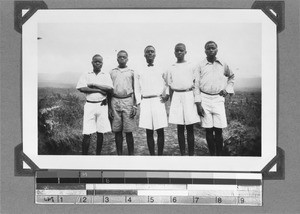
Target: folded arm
(89,90)
(104,88)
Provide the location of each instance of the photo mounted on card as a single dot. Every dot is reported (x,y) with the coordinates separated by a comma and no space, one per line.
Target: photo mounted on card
(123,89)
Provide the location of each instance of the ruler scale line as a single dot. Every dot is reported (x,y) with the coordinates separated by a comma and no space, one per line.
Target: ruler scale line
(119,187)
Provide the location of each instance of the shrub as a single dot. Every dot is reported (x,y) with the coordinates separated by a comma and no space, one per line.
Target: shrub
(242,140)
(59,123)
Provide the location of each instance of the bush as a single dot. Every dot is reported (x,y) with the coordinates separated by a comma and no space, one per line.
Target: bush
(242,140)
(59,123)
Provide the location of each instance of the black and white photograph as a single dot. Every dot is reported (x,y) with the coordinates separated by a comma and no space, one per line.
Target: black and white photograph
(149,106)
(127,85)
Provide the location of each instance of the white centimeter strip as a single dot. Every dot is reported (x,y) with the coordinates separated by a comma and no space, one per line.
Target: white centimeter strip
(168,187)
(227,194)
(60,192)
(136,186)
(165,190)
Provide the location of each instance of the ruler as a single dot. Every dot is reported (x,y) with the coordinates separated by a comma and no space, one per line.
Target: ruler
(119,187)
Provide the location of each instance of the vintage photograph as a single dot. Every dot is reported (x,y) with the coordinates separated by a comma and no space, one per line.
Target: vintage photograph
(150,83)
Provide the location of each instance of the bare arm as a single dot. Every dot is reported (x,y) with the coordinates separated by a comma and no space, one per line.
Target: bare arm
(89,90)
(133,87)
(166,92)
(103,88)
(196,84)
(230,81)
(137,88)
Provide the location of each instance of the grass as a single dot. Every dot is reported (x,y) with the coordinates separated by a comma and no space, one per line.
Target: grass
(60,127)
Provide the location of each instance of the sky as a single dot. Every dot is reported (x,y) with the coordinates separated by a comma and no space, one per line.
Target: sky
(69,47)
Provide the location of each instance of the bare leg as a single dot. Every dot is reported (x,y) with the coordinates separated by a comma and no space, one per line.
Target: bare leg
(210,140)
(99,143)
(130,143)
(219,141)
(160,141)
(86,144)
(181,139)
(119,142)
(150,141)
(190,139)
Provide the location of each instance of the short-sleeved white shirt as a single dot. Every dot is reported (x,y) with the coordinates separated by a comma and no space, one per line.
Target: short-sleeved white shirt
(181,76)
(102,78)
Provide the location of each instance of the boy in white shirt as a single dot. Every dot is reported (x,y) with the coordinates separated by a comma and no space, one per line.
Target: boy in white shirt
(214,82)
(95,85)
(183,110)
(152,92)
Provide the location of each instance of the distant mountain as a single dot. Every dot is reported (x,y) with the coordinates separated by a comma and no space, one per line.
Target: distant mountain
(61,80)
(248,84)
(55,85)
(70,79)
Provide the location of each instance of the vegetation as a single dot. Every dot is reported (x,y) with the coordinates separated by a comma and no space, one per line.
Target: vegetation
(59,123)
(242,137)
(60,113)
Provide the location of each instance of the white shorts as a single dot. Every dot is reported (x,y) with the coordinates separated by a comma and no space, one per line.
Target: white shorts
(183,109)
(95,118)
(153,114)
(214,108)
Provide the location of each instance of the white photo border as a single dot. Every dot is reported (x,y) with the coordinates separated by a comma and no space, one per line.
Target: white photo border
(150,163)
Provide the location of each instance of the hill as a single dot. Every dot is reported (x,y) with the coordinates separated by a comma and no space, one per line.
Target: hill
(70,79)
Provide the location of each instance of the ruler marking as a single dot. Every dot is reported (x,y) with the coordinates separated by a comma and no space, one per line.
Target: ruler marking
(113,187)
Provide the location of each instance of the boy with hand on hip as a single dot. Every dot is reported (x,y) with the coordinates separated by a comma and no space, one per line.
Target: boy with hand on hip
(214,82)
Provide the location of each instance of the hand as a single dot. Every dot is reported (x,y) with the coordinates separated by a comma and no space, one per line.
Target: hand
(200,110)
(110,113)
(223,93)
(104,102)
(133,112)
(164,99)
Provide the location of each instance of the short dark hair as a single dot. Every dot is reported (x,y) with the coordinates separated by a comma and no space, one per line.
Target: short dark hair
(122,51)
(210,42)
(180,44)
(96,55)
(149,46)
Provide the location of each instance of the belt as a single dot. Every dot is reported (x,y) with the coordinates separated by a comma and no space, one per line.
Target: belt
(182,90)
(88,101)
(122,97)
(151,96)
(208,93)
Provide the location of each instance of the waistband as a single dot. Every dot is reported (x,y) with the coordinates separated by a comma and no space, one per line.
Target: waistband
(88,101)
(102,102)
(150,96)
(209,93)
(183,90)
(123,97)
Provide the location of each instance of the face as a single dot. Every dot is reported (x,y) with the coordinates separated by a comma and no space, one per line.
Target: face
(97,62)
(122,58)
(211,50)
(180,52)
(149,54)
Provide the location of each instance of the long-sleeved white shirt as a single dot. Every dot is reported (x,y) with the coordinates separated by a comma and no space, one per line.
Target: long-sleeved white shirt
(212,78)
